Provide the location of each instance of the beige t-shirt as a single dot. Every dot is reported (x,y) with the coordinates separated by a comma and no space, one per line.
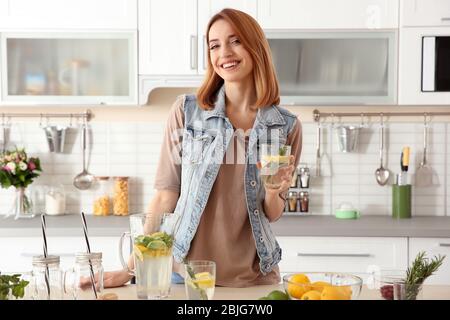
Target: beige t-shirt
(224,234)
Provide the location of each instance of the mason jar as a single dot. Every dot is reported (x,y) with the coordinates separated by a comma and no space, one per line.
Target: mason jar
(46,278)
(85,280)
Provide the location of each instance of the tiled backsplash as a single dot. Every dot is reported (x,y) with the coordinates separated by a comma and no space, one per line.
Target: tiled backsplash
(132,149)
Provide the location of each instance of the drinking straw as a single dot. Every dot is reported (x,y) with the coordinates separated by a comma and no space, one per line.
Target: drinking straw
(47,274)
(83,219)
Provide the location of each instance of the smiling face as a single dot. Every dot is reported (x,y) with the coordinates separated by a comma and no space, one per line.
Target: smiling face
(230,60)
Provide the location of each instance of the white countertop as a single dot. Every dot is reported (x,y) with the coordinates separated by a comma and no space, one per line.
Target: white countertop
(253,293)
(366,226)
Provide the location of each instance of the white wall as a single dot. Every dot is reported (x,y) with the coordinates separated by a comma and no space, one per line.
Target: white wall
(132,149)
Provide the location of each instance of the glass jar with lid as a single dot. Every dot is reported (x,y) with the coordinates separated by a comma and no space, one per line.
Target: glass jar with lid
(46,278)
(102,202)
(303,176)
(55,200)
(85,280)
(304,201)
(292,201)
(120,197)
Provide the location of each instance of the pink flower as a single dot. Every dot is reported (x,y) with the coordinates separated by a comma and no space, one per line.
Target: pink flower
(31,165)
(6,168)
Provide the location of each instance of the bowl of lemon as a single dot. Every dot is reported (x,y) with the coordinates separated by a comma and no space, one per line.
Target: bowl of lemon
(322,286)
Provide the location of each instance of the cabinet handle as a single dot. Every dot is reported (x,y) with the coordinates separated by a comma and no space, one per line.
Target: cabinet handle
(205,52)
(445,19)
(352,255)
(194,57)
(444,244)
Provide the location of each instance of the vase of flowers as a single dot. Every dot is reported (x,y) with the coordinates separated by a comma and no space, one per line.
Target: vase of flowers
(19,171)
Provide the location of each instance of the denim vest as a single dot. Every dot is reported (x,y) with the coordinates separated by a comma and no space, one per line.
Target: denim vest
(206,138)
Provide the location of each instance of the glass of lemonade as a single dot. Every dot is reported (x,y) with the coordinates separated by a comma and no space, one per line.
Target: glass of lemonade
(272,158)
(152,238)
(200,279)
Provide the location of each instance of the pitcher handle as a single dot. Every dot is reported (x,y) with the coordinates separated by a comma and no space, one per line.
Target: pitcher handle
(122,260)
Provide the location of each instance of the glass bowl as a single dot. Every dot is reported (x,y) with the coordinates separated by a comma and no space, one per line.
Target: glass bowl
(322,286)
(391,286)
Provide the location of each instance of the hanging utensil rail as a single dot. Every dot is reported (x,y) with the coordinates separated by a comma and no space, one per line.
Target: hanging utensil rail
(85,115)
(317,114)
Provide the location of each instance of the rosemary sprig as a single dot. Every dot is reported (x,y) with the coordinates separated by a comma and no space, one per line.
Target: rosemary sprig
(202,292)
(419,271)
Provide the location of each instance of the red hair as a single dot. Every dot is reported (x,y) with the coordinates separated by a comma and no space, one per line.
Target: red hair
(253,39)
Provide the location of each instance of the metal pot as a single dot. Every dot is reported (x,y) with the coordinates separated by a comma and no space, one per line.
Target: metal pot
(347,137)
(56,136)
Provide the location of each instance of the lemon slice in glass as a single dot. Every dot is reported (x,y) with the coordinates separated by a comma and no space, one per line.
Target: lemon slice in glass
(156,245)
(138,253)
(204,280)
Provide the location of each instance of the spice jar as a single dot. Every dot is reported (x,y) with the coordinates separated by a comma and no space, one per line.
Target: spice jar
(292,201)
(102,198)
(304,201)
(120,200)
(303,177)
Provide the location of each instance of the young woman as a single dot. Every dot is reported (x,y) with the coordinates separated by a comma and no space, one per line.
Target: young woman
(215,185)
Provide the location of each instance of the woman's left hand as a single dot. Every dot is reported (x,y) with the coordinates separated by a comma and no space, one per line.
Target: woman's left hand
(285,174)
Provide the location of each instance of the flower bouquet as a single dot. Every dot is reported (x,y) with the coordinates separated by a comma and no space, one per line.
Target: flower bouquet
(19,171)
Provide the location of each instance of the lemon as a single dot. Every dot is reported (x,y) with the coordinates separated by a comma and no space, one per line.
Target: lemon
(204,280)
(311,295)
(158,234)
(156,244)
(333,293)
(300,278)
(319,285)
(138,253)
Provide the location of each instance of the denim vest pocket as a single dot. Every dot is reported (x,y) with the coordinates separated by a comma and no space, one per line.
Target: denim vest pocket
(195,146)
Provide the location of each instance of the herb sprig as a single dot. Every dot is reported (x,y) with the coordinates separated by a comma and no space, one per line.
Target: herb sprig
(419,271)
(201,291)
(12,284)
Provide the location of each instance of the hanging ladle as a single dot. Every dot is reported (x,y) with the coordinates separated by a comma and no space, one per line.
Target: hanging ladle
(382,174)
(84,180)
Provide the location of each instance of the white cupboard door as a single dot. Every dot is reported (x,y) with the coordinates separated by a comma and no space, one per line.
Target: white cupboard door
(168,37)
(72,14)
(328,14)
(355,255)
(424,13)
(206,10)
(433,247)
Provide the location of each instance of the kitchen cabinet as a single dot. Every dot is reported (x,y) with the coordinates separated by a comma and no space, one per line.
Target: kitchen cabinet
(17,252)
(328,14)
(432,247)
(356,255)
(69,67)
(176,57)
(414,13)
(335,68)
(68,14)
(410,68)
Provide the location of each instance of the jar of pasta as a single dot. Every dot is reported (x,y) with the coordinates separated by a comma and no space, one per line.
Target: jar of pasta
(120,199)
(102,201)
